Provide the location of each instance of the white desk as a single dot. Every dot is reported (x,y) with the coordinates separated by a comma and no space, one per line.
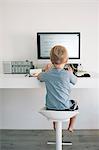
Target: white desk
(20,81)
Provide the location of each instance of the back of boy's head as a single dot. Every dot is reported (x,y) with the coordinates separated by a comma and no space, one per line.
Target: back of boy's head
(58,54)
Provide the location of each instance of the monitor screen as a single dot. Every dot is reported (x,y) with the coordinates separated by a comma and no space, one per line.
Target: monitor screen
(70,40)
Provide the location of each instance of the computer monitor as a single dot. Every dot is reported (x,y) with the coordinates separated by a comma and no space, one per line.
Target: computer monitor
(70,40)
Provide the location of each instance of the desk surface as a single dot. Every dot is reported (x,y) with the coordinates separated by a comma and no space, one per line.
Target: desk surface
(20,81)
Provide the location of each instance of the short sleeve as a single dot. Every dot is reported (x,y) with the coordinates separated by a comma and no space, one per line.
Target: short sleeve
(73,78)
(42,77)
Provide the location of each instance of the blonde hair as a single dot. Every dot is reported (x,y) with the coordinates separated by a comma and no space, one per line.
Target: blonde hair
(58,54)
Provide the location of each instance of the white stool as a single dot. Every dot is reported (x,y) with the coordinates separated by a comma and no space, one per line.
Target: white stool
(58,117)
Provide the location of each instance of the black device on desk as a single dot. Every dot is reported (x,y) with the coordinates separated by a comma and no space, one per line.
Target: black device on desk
(17,67)
(85,75)
(74,66)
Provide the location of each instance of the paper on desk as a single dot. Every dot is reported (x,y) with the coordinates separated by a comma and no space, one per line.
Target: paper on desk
(35,71)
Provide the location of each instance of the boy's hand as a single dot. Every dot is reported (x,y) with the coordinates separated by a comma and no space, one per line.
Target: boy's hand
(35,74)
(70,69)
(47,67)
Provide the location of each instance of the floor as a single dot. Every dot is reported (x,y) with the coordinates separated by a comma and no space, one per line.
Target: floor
(37,139)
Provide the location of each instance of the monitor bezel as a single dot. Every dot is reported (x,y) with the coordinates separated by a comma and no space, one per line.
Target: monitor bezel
(38,44)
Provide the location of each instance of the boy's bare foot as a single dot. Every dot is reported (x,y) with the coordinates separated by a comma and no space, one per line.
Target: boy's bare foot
(70,130)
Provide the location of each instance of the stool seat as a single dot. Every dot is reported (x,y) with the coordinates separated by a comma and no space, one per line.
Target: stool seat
(58,115)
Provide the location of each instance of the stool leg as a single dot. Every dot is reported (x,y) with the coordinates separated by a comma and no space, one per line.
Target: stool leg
(58,135)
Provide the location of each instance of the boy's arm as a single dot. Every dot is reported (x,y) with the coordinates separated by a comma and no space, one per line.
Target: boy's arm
(40,76)
(73,78)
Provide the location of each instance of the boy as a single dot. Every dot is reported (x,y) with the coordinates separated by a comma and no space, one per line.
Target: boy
(57,81)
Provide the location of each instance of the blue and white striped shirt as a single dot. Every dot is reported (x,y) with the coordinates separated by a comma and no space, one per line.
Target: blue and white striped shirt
(58,86)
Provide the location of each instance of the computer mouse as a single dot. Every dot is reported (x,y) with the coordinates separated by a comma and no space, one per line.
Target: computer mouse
(86,75)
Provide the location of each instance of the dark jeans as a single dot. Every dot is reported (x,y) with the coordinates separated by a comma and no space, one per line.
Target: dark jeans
(72,108)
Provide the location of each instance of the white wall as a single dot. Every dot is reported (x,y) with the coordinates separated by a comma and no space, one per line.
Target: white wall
(23,19)
(98,35)
(20,20)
